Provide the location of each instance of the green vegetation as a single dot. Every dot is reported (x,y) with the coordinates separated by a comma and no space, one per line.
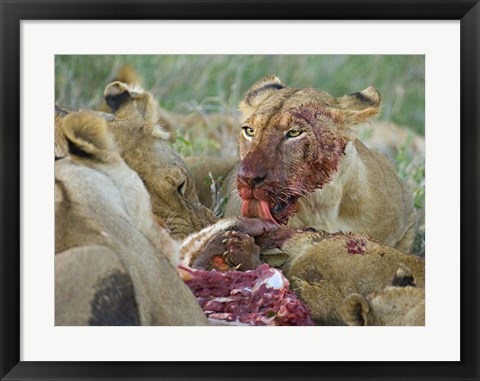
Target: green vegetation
(207,84)
(216,83)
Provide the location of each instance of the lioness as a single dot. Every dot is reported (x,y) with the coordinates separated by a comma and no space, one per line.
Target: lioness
(142,143)
(111,265)
(302,165)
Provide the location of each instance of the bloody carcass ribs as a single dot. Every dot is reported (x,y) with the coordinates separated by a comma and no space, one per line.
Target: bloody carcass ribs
(254,297)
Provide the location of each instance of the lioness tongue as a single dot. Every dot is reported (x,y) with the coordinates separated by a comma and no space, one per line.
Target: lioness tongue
(257,209)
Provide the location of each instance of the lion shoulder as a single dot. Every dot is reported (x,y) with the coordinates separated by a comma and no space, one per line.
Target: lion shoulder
(106,230)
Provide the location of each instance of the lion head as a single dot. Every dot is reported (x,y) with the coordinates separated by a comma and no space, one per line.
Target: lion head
(143,146)
(142,143)
(292,142)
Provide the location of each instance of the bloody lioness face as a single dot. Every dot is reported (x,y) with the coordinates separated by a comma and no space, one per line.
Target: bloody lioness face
(292,142)
(286,156)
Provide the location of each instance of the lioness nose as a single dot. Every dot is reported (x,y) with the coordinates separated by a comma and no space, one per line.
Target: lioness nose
(249,177)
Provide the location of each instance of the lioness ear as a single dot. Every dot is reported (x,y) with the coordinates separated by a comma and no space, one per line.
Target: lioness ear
(260,91)
(87,136)
(358,107)
(116,94)
(403,277)
(354,310)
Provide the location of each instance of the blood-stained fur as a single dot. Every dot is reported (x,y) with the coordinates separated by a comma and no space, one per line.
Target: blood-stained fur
(302,165)
(324,270)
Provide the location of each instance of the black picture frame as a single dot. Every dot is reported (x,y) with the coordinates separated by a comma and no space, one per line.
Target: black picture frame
(12,12)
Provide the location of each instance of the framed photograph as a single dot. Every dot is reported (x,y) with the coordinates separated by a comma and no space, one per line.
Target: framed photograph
(197,62)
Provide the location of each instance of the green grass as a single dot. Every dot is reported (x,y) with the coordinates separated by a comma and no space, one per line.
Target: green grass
(216,83)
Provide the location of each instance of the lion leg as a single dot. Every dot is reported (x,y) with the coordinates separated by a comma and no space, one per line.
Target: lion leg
(241,252)
(226,245)
(230,250)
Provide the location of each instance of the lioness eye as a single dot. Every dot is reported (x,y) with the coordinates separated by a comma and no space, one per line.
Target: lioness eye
(181,189)
(248,132)
(294,133)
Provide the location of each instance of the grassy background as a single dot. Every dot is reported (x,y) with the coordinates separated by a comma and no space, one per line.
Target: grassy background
(216,83)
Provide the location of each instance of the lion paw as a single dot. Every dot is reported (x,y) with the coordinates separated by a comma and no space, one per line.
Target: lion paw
(231,250)
(241,253)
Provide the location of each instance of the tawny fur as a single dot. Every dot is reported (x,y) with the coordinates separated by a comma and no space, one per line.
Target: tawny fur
(61,145)
(364,194)
(393,306)
(142,144)
(105,231)
(128,75)
(161,168)
(326,268)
